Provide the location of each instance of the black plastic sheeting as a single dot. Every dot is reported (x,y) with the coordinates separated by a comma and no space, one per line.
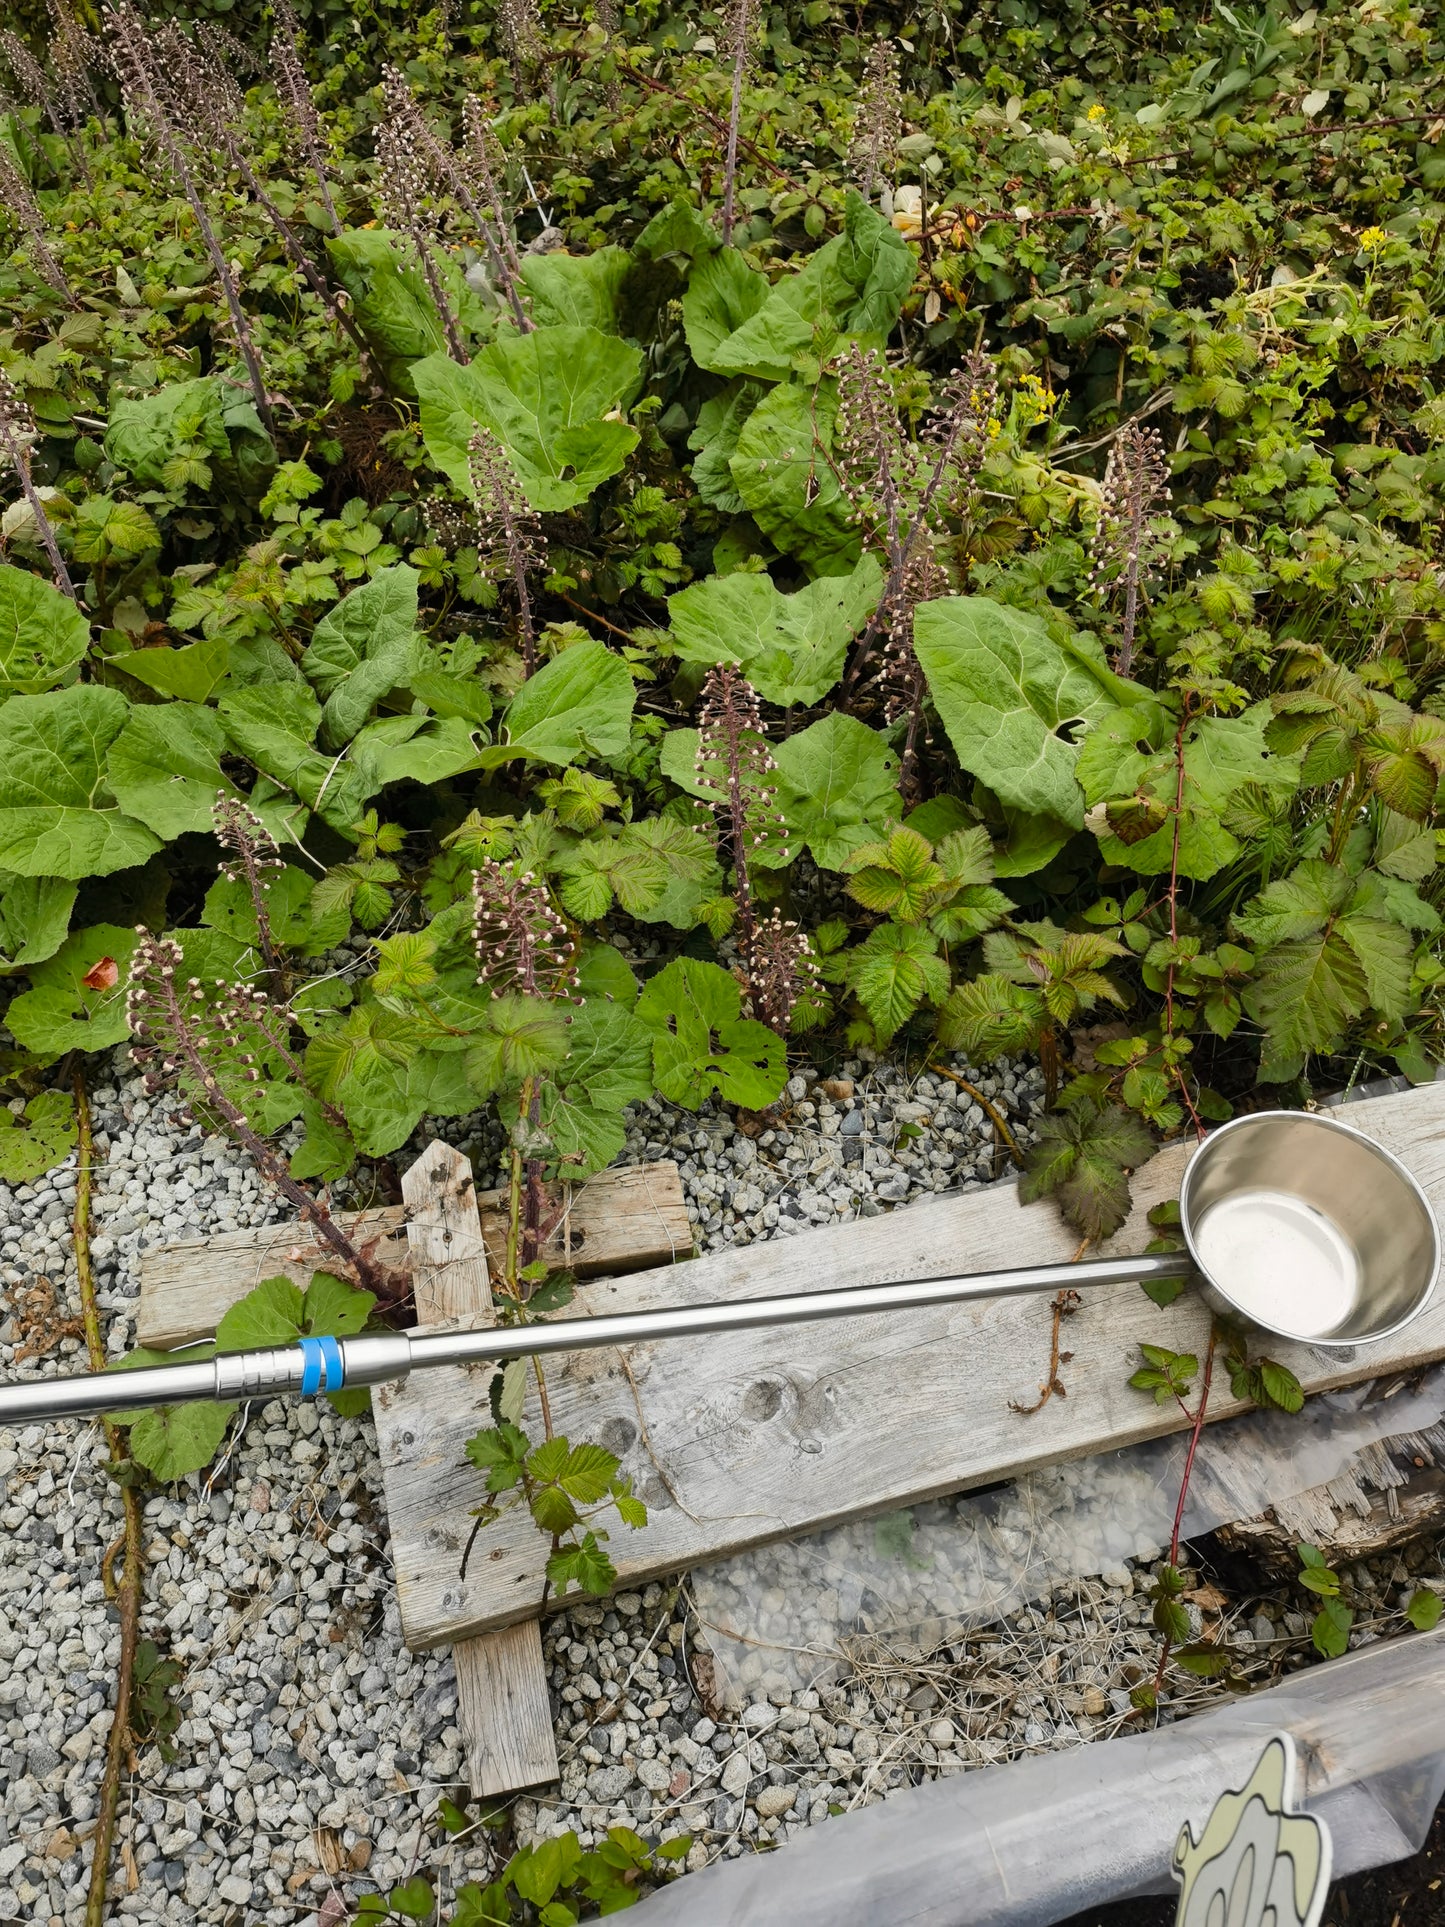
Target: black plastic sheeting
(1031,1843)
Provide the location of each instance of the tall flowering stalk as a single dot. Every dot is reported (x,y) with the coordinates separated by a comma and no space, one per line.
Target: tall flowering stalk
(524,949)
(24,210)
(142,90)
(877,118)
(735,766)
(17,433)
(898,488)
(210,1037)
(521,26)
(256,859)
(408,194)
(738,47)
(509,530)
(448,173)
(206,110)
(1135,490)
(484,168)
(293,90)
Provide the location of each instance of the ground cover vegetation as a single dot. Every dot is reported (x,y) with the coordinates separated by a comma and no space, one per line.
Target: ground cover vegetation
(922,526)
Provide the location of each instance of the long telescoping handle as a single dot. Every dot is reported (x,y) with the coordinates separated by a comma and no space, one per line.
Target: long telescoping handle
(316,1365)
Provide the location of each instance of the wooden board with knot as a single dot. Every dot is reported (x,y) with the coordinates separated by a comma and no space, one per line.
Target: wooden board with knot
(734,1439)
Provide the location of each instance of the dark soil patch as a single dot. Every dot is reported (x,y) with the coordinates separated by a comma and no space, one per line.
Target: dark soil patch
(1410,1893)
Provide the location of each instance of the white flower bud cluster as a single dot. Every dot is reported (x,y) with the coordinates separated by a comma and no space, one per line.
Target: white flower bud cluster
(522,943)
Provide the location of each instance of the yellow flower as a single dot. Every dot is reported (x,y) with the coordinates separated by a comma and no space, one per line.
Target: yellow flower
(1373,238)
(1096,112)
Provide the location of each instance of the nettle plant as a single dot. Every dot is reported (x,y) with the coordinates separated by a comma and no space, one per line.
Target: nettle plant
(985,593)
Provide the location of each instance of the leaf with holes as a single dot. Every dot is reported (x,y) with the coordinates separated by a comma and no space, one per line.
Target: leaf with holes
(1007,694)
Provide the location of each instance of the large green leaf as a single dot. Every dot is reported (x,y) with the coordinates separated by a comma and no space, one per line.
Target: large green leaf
(34,917)
(545,395)
(42,633)
(37,1144)
(783,470)
(191,674)
(737,324)
(1128,762)
(392,303)
(60,1011)
(577,290)
(702,1043)
(1006,691)
(57,817)
(715,440)
(723,293)
(144,434)
(578,705)
(165,767)
(421,749)
(791,647)
(837,787)
(608,1066)
(364,648)
(274,725)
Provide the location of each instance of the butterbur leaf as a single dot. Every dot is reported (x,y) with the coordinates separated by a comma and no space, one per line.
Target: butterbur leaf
(545,395)
(576,706)
(1331,1629)
(34,917)
(48,1132)
(58,818)
(363,648)
(702,1043)
(791,647)
(172,1440)
(1423,1610)
(784,473)
(43,635)
(165,766)
(1005,691)
(63,1010)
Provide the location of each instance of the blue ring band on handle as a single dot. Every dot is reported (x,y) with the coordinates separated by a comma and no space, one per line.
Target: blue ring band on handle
(322,1369)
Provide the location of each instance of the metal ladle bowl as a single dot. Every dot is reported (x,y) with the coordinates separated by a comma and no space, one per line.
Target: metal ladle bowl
(1309,1229)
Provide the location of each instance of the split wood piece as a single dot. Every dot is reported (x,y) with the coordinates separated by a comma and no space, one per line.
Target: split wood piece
(736,1439)
(620,1221)
(504,1710)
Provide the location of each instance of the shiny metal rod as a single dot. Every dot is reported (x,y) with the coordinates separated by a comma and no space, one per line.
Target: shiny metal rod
(326,1364)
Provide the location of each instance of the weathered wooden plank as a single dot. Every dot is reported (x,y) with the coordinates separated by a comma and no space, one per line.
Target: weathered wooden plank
(504,1708)
(756,1435)
(622,1220)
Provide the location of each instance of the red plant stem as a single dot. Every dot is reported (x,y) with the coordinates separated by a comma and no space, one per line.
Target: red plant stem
(1198,1427)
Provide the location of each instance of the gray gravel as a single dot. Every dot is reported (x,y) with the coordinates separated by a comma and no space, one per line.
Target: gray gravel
(313,1747)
